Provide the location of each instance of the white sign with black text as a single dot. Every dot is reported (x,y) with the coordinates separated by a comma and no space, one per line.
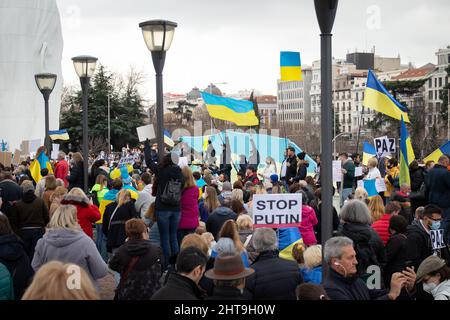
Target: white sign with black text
(277,210)
(384,146)
(437,239)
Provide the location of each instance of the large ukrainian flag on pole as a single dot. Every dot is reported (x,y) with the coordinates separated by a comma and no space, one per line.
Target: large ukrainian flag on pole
(290,66)
(436,154)
(40,162)
(240,112)
(406,154)
(378,98)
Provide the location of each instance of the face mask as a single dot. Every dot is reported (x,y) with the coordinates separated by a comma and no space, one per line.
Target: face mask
(428,287)
(435,225)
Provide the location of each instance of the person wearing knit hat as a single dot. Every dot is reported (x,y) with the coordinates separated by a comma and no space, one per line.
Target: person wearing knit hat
(435,275)
(229,275)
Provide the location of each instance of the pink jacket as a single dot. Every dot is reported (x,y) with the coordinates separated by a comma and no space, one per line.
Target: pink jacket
(189,209)
(309,220)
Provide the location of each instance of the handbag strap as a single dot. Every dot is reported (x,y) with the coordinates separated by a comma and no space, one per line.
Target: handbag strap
(112,216)
(131,265)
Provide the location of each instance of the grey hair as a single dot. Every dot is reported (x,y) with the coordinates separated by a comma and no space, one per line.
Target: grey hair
(333,247)
(265,239)
(356,211)
(225,246)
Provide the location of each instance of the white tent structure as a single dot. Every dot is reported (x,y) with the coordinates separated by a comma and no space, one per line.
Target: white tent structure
(31,42)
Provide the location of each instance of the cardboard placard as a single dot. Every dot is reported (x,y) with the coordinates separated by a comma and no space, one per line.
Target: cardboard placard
(25,147)
(34,145)
(16,157)
(6,158)
(277,210)
(337,171)
(146,132)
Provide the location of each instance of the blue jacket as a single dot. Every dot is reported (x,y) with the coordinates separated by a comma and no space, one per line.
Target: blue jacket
(312,275)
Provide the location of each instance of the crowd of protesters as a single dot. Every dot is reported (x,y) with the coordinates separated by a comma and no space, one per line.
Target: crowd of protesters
(186,233)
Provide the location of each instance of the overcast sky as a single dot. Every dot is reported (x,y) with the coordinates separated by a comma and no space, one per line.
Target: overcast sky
(238,41)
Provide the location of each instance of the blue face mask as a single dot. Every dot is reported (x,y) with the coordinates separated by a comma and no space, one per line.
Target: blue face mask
(435,225)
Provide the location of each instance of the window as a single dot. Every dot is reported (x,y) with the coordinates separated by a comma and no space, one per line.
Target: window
(435,94)
(438,106)
(430,83)
(430,95)
(435,82)
(440,82)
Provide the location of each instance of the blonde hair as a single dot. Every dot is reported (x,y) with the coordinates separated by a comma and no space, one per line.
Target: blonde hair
(211,201)
(237,194)
(78,192)
(313,256)
(59,192)
(189,180)
(244,222)
(123,197)
(77,157)
(201,229)
(197,241)
(372,162)
(376,208)
(65,217)
(361,194)
(208,237)
(51,283)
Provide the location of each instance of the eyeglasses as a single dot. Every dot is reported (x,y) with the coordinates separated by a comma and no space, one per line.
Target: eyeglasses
(438,219)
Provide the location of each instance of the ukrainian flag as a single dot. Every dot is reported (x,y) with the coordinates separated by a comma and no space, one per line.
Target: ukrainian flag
(369,152)
(168,139)
(40,162)
(287,238)
(290,66)
(436,154)
(240,112)
(406,154)
(378,98)
(59,134)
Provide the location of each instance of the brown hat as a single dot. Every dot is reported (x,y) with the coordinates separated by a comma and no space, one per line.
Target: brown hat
(228,267)
(431,264)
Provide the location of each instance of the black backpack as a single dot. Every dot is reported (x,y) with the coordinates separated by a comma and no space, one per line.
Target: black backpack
(172,192)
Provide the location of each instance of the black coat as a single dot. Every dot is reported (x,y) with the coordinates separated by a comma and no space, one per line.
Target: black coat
(291,170)
(116,231)
(438,187)
(163,177)
(395,256)
(10,193)
(274,278)
(339,287)
(31,211)
(226,293)
(368,246)
(94,174)
(318,226)
(76,177)
(179,287)
(217,218)
(417,176)
(302,171)
(13,256)
(142,280)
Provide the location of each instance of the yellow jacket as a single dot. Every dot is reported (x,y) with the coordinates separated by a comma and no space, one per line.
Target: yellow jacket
(395,174)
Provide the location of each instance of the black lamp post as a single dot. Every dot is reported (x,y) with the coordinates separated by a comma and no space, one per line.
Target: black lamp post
(85,68)
(46,82)
(158,35)
(326,12)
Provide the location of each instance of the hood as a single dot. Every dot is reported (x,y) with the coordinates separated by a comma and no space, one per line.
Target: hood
(11,247)
(28,197)
(75,200)
(62,237)
(106,169)
(148,188)
(223,211)
(137,247)
(307,210)
(442,289)
(111,195)
(97,187)
(356,231)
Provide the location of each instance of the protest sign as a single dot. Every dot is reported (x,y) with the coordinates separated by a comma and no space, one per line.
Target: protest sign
(277,210)
(126,160)
(34,145)
(384,146)
(5,158)
(337,170)
(380,185)
(374,186)
(146,132)
(183,162)
(358,171)
(16,157)
(360,184)
(25,147)
(437,239)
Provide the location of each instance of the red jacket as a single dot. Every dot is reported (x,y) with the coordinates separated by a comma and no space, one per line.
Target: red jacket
(382,227)
(87,214)
(62,171)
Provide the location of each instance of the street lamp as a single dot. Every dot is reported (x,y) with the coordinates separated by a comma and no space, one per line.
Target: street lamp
(326,12)
(158,35)
(85,68)
(46,82)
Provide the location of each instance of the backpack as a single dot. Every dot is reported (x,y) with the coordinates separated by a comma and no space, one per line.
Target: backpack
(172,192)
(365,255)
(6,284)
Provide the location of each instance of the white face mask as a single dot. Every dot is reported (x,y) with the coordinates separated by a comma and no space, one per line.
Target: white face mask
(428,287)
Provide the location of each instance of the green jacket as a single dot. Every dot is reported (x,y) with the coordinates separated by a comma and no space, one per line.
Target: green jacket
(100,192)
(349,177)
(6,284)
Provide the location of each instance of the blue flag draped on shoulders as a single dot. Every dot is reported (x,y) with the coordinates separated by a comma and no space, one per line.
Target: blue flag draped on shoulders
(40,162)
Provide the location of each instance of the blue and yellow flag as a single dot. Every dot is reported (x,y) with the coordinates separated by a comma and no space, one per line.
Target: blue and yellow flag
(59,134)
(378,98)
(406,154)
(168,139)
(369,151)
(287,238)
(40,162)
(436,154)
(290,66)
(240,112)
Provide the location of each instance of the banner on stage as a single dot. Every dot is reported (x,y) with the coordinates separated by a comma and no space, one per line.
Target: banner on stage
(384,146)
(277,210)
